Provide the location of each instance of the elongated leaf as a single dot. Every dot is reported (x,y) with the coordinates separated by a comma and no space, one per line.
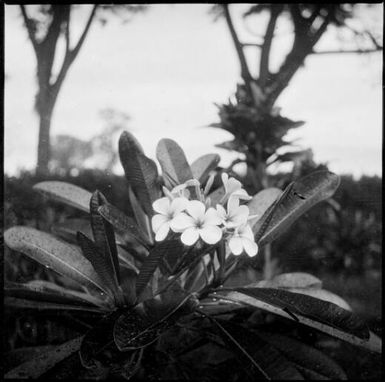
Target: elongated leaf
(291,280)
(373,343)
(258,358)
(63,258)
(134,331)
(322,294)
(22,303)
(202,166)
(310,307)
(68,229)
(45,361)
(140,217)
(299,197)
(261,202)
(141,172)
(99,262)
(122,223)
(66,193)
(304,356)
(152,261)
(173,162)
(40,292)
(104,237)
(54,288)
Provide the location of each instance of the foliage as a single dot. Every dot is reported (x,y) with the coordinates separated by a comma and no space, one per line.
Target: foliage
(46,25)
(160,302)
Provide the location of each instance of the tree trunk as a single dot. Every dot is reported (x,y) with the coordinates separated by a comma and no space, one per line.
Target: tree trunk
(43,148)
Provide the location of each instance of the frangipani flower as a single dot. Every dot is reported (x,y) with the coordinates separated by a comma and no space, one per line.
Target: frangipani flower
(243,240)
(168,210)
(235,215)
(198,224)
(233,187)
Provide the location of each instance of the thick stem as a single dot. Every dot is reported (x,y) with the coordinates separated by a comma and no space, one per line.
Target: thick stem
(43,149)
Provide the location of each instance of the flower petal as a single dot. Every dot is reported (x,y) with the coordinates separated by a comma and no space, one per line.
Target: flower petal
(212,217)
(161,205)
(232,204)
(162,232)
(221,212)
(233,185)
(251,247)
(178,205)
(196,209)
(235,245)
(190,236)
(240,216)
(181,222)
(210,234)
(157,221)
(246,232)
(241,194)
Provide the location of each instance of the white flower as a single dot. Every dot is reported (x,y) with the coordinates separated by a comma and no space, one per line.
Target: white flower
(199,223)
(235,215)
(233,187)
(243,240)
(167,210)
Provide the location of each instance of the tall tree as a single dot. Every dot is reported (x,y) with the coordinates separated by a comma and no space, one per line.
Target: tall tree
(256,123)
(259,129)
(46,25)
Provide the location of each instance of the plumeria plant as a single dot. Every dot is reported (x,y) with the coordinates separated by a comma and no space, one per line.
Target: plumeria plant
(154,283)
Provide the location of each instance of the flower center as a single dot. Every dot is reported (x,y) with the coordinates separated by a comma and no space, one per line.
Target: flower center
(199,223)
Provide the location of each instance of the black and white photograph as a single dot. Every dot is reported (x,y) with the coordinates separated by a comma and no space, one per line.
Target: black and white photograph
(192,191)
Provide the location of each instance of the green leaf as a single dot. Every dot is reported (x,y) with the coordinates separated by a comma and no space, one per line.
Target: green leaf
(42,363)
(173,161)
(63,258)
(310,307)
(291,280)
(152,261)
(140,327)
(322,294)
(373,343)
(140,217)
(44,291)
(68,229)
(297,198)
(21,303)
(141,172)
(257,357)
(202,166)
(104,237)
(304,356)
(261,202)
(124,224)
(99,261)
(66,193)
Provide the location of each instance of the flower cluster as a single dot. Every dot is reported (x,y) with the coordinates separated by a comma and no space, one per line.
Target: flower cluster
(187,210)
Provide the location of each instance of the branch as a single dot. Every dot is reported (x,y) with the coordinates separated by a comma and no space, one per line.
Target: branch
(28,25)
(266,47)
(348,51)
(71,54)
(67,32)
(75,51)
(245,73)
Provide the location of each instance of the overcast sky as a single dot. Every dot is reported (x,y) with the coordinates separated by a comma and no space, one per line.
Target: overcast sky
(168,67)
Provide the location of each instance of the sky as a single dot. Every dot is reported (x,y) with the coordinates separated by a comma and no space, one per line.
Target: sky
(168,67)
